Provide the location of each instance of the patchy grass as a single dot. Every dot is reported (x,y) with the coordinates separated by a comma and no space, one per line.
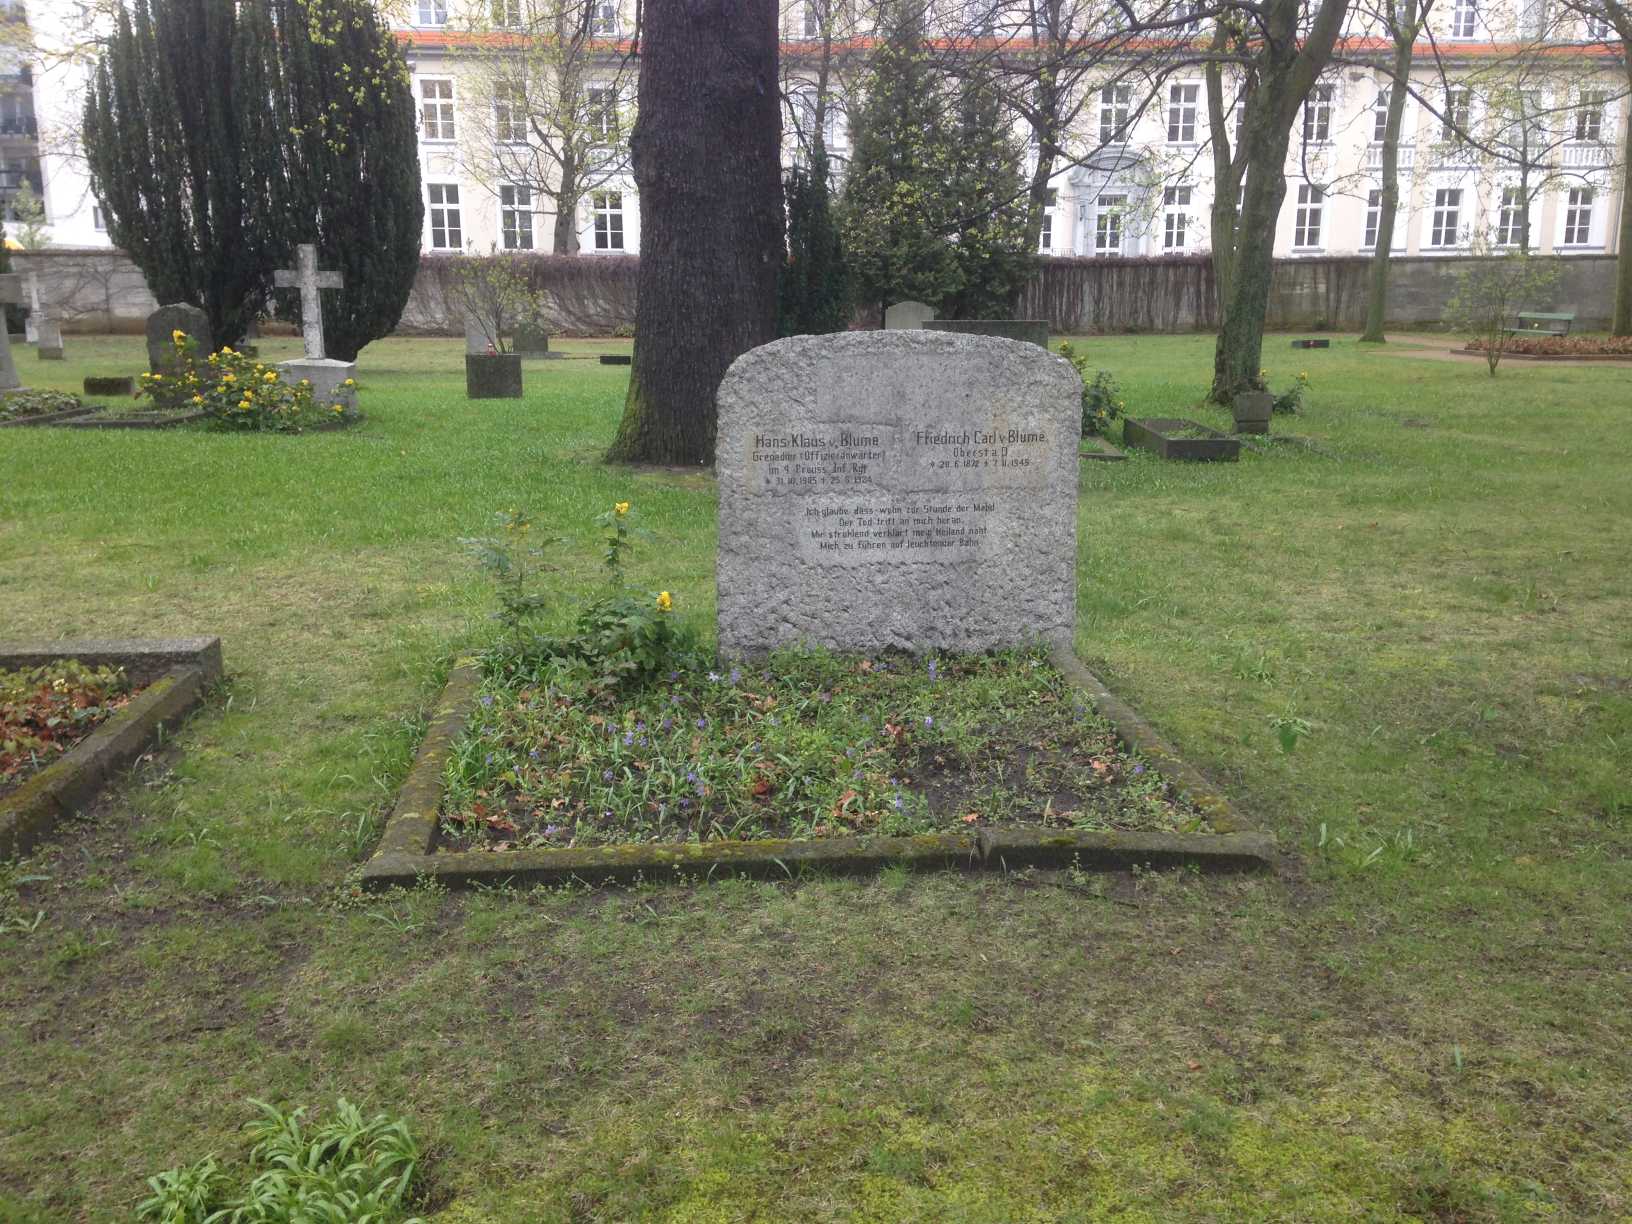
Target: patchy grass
(1422,1018)
(808,745)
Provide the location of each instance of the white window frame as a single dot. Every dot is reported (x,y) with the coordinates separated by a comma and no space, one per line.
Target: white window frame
(510,113)
(810,21)
(516,217)
(506,14)
(1465,19)
(99,218)
(445,124)
(606,22)
(1509,215)
(1379,114)
(1309,218)
(601,111)
(1595,26)
(1589,116)
(431,14)
(1317,113)
(445,208)
(1452,112)
(1109,211)
(1374,219)
(1115,113)
(1176,218)
(1578,216)
(607,221)
(1183,110)
(1445,219)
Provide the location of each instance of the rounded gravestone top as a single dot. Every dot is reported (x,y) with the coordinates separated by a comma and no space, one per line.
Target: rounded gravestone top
(162,325)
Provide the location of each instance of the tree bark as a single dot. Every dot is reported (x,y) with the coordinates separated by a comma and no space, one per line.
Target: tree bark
(707,165)
(1622,323)
(1404,30)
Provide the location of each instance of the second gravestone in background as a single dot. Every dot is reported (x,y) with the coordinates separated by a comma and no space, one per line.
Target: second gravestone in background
(915,490)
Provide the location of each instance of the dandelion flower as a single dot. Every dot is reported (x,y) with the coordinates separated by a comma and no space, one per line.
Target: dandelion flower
(664,601)
(620,509)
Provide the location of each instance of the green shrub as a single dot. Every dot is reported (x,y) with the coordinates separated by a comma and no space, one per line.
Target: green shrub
(238,392)
(1290,401)
(1102,401)
(344,1171)
(15,405)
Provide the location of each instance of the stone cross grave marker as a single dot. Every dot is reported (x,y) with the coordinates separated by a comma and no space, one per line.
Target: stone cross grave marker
(31,325)
(897,489)
(11,294)
(305,277)
(333,382)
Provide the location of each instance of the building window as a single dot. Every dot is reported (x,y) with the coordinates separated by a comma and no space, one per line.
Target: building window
(446,232)
(1108,224)
(1589,119)
(1114,104)
(433,12)
(510,112)
(516,217)
(1050,201)
(1175,218)
(1379,115)
(1181,113)
(606,19)
(1465,19)
(1374,218)
(1306,229)
(1510,218)
(601,108)
(507,14)
(1317,115)
(1458,110)
(99,219)
(608,208)
(811,22)
(436,108)
(1597,26)
(1447,221)
(1578,217)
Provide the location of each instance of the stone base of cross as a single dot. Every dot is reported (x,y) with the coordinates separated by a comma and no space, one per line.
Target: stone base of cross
(334,383)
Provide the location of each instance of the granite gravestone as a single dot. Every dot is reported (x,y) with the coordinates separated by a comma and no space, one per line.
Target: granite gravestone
(907,315)
(48,340)
(907,489)
(164,323)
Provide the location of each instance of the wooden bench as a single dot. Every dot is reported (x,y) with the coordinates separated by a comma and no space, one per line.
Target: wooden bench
(1539,322)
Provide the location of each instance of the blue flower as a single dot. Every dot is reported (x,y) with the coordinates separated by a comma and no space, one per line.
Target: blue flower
(1138,769)
(897,803)
(628,738)
(713,677)
(490,758)
(606,775)
(533,753)
(666,724)
(701,723)
(487,700)
(928,721)
(736,674)
(691,775)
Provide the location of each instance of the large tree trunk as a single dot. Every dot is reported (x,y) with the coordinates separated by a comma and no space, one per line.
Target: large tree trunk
(1622,324)
(1405,34)
(708,168)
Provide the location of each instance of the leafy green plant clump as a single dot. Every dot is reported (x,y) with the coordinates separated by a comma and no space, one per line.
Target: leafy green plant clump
(809,744)
(15,405)
(1102,402)
(347,1170)
(238,392)
(44,711)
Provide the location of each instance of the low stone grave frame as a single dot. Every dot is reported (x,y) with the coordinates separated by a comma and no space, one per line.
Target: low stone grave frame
(48,418)
(175,673)
(120,386)
(1156,434)
(617,359)
(1311,344)
(406,854)
(1096,447)
(90,420)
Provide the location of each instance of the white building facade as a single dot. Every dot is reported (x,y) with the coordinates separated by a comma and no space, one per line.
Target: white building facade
(1139,178)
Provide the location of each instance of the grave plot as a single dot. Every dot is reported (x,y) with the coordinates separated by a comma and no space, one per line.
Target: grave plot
(897,585)
(74,714)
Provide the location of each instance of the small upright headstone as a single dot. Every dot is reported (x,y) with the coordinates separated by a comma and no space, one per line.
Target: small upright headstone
(907,316)
(531,341)
(902,489)
(49,340)
(162,325)
(1029,331)
(333,382)
(11,294)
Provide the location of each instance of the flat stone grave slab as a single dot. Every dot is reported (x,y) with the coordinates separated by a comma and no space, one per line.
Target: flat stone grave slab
(172,675)
(1311,344)
(616,359)
(119,385)
(1175,438)
(906,490)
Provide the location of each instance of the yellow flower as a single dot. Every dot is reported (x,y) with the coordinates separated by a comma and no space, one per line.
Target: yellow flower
(338,408)
(198,399)
(229,376)
(1303,376)
(272,377)
(620,509)
(178,335)
(158,378)
(350,382)
(664,603)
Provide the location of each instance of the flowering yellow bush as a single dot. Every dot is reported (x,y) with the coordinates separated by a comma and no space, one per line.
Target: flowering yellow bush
(236,391)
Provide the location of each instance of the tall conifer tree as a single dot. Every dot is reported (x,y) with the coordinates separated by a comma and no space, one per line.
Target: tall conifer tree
(813,293)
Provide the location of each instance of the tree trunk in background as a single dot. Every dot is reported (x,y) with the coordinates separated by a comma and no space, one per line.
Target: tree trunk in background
(1405,34)
(707,163)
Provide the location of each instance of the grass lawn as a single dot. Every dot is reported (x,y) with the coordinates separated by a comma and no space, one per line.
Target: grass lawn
(1424,1016)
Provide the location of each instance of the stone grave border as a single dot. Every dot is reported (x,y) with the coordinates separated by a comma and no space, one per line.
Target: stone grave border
(406,853)
(1156,434)
(47,418)
(176,673)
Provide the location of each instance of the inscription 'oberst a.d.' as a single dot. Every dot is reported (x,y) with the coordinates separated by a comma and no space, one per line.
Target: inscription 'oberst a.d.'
(907,489)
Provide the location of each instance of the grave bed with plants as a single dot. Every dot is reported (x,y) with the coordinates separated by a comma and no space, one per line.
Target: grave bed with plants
(33,407)
(75,713)
(620,752)
(1175,438)
(1558,348)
